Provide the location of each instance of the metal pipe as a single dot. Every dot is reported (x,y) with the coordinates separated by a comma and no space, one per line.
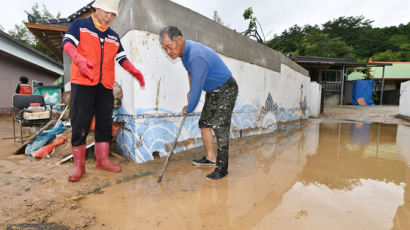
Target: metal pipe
(381,94)
(342,86)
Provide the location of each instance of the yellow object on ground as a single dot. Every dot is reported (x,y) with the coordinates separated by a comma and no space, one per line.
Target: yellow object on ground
(361,101)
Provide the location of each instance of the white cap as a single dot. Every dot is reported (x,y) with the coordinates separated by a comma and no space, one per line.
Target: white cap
(107,5)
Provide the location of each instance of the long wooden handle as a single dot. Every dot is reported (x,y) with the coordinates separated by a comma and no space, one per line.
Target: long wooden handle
(172,150)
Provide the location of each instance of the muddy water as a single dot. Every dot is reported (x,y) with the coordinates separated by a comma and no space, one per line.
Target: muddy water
(322,176)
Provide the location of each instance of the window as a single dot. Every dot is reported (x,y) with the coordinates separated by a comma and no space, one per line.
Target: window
(36,84)
(331,75)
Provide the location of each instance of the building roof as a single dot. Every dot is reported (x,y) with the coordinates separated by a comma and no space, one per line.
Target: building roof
(311,61)
(11,47)
(50,32)
(397,71)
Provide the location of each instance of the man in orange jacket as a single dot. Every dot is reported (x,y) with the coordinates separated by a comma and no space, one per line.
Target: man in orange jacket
(94,47)
(23,87)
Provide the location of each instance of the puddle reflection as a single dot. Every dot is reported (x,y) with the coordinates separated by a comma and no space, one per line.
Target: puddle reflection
(321,176)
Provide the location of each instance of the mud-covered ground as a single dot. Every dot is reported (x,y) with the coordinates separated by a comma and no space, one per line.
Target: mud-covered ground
(35,194)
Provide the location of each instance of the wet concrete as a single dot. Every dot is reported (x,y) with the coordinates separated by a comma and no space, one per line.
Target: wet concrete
(348,175)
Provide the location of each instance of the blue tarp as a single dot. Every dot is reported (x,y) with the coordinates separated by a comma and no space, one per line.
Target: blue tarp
(364,89)
(44,138)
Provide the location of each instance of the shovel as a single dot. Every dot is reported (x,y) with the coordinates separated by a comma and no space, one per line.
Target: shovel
(172,150)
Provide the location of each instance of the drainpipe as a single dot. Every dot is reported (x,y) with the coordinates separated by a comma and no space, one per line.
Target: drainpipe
(322,95)
(342,86)
(381,95)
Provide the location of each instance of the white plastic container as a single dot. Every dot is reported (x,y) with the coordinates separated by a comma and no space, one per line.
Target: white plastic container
(35,107)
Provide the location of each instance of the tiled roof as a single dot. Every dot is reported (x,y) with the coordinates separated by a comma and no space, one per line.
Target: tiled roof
(61,21)
(51,31)
(80,12)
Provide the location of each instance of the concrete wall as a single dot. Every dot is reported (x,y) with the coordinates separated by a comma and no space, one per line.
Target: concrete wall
(402,142)
(11,69)
(314,99)
(272,89)
(152,15)
(404,107)
(332,99)
(153,114)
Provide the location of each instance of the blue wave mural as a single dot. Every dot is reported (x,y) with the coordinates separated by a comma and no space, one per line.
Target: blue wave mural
(151,130)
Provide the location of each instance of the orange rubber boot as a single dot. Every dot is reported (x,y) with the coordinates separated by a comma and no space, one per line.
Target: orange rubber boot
(103,161)
(79,163)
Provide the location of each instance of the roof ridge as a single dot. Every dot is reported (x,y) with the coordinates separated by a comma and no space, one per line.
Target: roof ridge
(68,19)
(80,11)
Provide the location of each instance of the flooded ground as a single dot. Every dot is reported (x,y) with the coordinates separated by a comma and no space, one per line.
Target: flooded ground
(323,176)
(341,171)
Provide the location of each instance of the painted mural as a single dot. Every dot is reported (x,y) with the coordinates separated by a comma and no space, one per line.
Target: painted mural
(152,115)
(147,134)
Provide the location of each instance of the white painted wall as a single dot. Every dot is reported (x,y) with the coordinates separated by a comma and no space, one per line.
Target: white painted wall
(153,114)
(404,105)
(402,142)
(314,99)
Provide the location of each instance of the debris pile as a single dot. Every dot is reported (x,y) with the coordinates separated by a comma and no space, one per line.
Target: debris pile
(54,138)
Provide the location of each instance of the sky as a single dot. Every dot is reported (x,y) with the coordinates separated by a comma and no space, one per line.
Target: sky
(274,16)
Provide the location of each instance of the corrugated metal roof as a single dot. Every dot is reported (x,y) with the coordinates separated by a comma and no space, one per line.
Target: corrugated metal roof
(398,71)
(333,61)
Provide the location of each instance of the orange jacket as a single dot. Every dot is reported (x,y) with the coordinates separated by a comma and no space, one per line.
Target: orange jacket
(25,89)
(102,49)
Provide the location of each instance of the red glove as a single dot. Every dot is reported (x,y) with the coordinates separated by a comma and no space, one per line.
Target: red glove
(134,72)
(83,64)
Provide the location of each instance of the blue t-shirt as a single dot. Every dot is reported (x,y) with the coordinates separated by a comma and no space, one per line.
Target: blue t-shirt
(206,68)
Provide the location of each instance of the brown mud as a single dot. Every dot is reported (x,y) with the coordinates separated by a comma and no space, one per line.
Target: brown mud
(331,173)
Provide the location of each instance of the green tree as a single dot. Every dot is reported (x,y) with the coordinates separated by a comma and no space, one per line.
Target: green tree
(347,28)
(393,56)
(398,41)
(370,41)
(22,34)
(41,13)
(356,32)
(289,41)
(217,18)
(346,37)
(363,70)
(317,43)
(252,30)
(310,41)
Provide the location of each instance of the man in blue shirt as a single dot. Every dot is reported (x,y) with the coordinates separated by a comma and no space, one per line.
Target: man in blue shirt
(206,71)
